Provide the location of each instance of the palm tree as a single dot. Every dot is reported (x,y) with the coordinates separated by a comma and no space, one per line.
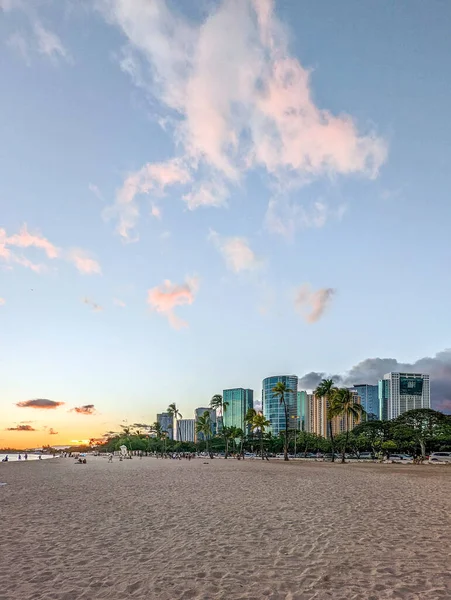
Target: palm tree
(259,423)
(203,426)
(280,389)
(217,403)
(226,434)
(175,414)
(160,434)
(343,404)
(326,389)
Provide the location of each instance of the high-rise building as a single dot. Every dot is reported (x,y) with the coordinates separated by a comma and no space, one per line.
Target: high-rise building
(239,401)
(369,399)
(303,411)
(318,407)
(318,415)
(167,424)
(272,407)
(186,429)
(198,413)
(400,392)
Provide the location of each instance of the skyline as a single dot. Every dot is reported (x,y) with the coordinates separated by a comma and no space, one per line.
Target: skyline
(183,208)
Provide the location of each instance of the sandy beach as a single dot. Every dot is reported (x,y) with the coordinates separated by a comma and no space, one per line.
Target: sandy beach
(224,530)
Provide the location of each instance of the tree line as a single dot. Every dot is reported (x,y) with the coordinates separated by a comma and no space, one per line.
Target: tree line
(417,431)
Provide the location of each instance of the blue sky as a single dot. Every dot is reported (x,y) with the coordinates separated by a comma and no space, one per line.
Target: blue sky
(284,166)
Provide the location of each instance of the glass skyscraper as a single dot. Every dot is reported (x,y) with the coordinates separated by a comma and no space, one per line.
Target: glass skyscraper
(272,407)
(303,412)
(239,401)
(369,399)
(166,422)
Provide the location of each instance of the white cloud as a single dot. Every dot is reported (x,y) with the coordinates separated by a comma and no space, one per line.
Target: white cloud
(18,42)
(236,252)
(119,303)
(313,303)
(237,101)
(2,301)
(49,43)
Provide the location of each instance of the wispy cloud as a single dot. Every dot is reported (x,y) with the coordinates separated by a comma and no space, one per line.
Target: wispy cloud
(21,428)
(52,431)
(95,307)
(49,43)
(313,303)
(18,42)
(83,262)
(2,301)
(119,303)
(39,39)
(25,239)
(96,191)
(40,403)
(237,103)
(153,178)
(166,297)
(86,409)
(236,252)
(285,217)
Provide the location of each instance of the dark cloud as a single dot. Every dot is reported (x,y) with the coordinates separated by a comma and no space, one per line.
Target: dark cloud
(39,403)
(21,428)
(87,409)
(371,370)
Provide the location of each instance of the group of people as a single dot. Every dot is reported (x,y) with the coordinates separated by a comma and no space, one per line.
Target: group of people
(6,458)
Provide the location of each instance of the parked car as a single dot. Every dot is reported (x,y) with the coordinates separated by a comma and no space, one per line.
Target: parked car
(440,457)
(366,455)
(404,458)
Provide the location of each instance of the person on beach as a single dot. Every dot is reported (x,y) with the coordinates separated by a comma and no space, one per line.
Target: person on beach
(5,459)
(20,457)
(26,456)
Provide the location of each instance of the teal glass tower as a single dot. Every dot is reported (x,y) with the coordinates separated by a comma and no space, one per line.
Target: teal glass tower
(272,407)
(239,400)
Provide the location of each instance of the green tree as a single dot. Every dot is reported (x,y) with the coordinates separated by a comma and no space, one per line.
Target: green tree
(279,390)
(372,434)
(421,424)
(259,423)
(203,426)
(343,404)
(388,447)
(309,441)
(176,415)
(326,389)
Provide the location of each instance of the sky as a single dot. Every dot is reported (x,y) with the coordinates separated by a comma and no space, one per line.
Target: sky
(195,195)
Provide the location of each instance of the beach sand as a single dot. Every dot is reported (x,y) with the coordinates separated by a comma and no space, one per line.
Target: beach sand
(224,530)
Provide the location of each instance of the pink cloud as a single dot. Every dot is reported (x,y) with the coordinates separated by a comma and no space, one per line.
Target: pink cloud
(119,303)
(236,252)
(166,297)
(24,239)
(242,102)
(153,178)
(313,303)
(83,262)
(2,301)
